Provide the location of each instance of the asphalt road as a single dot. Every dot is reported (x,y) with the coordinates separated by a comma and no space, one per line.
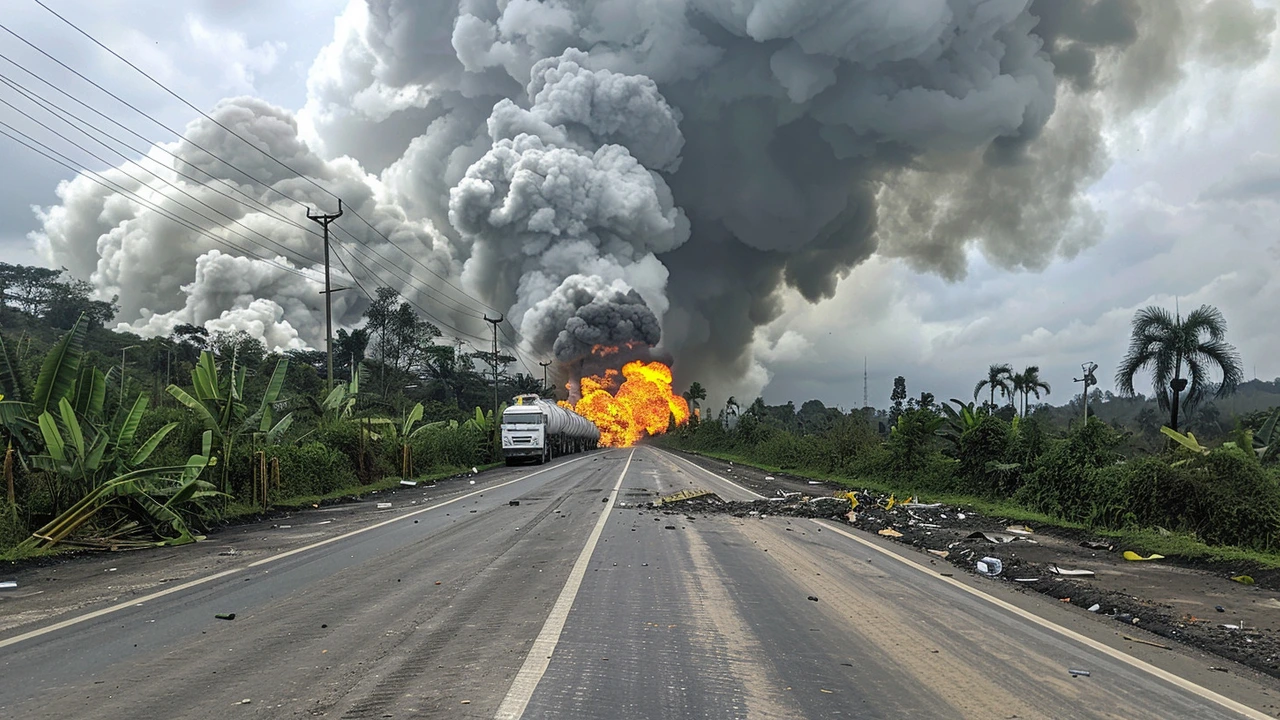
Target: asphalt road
(564,606)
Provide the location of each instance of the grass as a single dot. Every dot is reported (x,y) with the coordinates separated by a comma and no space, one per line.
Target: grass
(1170,544)
(238,510)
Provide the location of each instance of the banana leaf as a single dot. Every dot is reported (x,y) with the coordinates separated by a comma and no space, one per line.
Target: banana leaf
(151,444)
(60,368)
(129,426)
(272,392)
(11,385)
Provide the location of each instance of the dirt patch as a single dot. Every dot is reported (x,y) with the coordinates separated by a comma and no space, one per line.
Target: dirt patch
(1185,601)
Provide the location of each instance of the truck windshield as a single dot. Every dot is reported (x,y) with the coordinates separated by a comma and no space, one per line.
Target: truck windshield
(523,419)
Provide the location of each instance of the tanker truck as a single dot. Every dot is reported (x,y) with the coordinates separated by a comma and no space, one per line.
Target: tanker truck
(539,430)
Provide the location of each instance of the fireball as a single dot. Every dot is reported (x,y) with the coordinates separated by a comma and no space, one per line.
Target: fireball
(642,404)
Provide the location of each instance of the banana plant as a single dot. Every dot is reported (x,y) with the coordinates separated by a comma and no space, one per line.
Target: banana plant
(219,403)
(159,495)
(88,454)
(961,419)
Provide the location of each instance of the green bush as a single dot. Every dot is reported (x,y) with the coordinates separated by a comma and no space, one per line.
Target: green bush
(372,459)
(983,446)
(310,469)
(445,447)
(1056,485)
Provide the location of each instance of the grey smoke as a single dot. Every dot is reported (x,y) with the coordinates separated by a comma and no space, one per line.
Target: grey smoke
(701,155)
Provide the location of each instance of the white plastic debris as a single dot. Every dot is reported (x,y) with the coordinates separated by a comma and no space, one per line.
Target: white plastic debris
(384,506)
(475,471)
(8,583)
(409,483)
(473,482)
(1095,607)
(990,566)
(768,477)
(1070,573)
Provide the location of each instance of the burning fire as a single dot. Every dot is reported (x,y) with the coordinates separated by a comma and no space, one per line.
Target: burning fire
(642,403)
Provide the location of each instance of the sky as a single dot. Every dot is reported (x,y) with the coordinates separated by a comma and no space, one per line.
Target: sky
(1189,204)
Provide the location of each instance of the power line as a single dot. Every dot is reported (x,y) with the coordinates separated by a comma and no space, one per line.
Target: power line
(49,153)
(286,250)
(257,203)
(184,101)
(230,131)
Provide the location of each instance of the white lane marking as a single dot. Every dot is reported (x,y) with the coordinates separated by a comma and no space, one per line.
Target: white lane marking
(200,581)
(1111,652)
(539,657)
(702,469)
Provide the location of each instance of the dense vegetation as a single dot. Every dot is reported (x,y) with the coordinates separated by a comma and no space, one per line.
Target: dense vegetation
(114,440)
(1119,469)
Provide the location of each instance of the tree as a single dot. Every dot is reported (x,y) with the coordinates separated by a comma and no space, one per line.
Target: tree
(999,377)
(1028,383)
(898,397)
(695,395)
(247,350)
(1166,343)
(730,408)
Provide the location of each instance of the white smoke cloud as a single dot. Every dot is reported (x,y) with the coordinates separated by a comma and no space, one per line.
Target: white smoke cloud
(705,154)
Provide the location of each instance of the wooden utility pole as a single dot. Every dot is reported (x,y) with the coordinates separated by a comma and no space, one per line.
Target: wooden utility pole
(544,374)
(324,220)
(491,321)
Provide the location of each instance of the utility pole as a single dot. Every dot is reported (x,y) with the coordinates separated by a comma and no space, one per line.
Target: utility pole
(493,322)
(1089,380)
(544,374)
(324,220)
(122,352)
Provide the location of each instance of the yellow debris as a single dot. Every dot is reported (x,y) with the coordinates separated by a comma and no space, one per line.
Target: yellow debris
(1131,555)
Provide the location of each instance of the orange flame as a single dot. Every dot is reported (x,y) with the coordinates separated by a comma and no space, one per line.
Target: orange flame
(642,404)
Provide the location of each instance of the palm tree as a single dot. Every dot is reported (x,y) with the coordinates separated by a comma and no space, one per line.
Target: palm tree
(999,377)
(695,395)
(1166,343)
(1028,383)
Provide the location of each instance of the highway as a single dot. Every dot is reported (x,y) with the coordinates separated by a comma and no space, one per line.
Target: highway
(581,601)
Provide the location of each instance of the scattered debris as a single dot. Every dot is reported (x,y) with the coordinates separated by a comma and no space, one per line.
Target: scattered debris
(409,483)
(813,598)
(890,532)
(1243,579)
(1019,530)
(1131,555)
(683,495)
(990,566)
(1094,545)
(1064,572)
(668,527)
(228,551)
(1215,668)
(768,477)
(514,503)
(1078,673)
(940,553)
(1095,608)
(921,506)
(8,584)
(245,701)
(998,538)
(1146,642)
(1027,580)
(1219,608)
(384,506)
(226,616)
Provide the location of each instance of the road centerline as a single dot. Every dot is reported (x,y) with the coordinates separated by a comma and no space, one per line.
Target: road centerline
(544,646)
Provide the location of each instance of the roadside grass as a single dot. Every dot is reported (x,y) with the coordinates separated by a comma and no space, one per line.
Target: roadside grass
(1181,545)
(301,502)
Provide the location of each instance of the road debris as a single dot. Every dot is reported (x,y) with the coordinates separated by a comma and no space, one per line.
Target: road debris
(1133,556)
(409,483)
(514,503)
(1094,545)
(890,532)
(813,598)
(8,584)
(1019,530)
(384,506)
(940,553)
(1078,673)
(1243,579)
(1066,572)
(997,538)
(226,616)
(1146,642)
(1215,668)
(228,552)
(990,566)
(1095,608)
(245,701)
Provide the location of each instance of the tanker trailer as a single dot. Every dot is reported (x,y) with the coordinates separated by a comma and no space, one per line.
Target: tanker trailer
(539,430)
